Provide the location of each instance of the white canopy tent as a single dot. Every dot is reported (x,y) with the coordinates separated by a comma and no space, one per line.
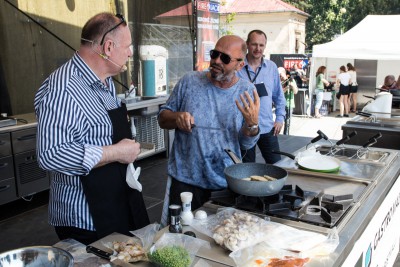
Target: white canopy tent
(372,46)
(375,37)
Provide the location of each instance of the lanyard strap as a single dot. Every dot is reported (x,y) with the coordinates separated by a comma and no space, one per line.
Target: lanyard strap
(248,73)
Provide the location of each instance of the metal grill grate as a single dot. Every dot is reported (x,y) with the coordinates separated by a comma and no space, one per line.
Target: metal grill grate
(148,131)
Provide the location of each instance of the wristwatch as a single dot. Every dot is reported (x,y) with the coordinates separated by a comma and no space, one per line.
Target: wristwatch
(252,128)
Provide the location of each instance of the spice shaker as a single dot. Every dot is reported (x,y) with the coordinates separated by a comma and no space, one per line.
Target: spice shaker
(175,222)
(186,215)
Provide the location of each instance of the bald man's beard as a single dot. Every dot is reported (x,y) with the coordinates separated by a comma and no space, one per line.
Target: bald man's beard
(221,76)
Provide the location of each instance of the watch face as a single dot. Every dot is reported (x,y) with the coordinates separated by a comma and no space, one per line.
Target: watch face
(253,128)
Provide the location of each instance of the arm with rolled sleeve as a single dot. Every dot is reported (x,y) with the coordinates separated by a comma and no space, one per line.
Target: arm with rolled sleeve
(61,138)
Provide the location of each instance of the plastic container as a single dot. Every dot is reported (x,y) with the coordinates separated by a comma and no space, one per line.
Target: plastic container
(186,215)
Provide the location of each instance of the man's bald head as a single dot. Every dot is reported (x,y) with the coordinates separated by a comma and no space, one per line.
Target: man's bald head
(234,44)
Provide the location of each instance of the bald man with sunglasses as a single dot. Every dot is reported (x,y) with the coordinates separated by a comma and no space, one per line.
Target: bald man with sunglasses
(210,111)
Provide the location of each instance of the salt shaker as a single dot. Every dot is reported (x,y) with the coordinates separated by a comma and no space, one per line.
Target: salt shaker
(175,222)
(186,215)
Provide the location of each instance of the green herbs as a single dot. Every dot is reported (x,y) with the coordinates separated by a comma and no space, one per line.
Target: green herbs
(173,256)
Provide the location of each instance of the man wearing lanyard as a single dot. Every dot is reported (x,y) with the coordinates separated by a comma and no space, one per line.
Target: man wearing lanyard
(264,74)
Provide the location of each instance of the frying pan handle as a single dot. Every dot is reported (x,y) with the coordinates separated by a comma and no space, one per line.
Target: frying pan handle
(233,156)
(352,134)
(369,143)
(343,140)
(284,154)
(346,138)
(362,113)
(319,137)
(377,136)
(319,132)
(367,96)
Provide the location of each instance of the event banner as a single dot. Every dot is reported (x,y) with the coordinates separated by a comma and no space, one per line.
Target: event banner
(288,60)
(207,31)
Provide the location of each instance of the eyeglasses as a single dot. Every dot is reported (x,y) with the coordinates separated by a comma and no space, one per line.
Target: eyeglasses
(226,59)
(113,28)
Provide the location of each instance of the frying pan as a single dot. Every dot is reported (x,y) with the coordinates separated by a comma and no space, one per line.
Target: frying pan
(317,163)
(234,175)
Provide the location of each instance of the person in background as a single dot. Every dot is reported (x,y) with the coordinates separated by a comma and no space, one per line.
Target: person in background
(389,83)
(264,75)
(344,81)
(210,111)
(290,88)
(84,138)
(398,83)
(300,76)
(319,89)
(353,87)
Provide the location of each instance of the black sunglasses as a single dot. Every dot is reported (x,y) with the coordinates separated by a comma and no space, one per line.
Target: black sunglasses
(113,28)
(226,59)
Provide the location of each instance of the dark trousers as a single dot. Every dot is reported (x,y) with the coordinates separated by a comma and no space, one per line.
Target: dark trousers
(289,113)
(200,195)
(267,143)
(84,236)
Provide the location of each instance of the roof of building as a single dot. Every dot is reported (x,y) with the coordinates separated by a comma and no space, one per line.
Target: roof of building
(180,11)
(258,6)
(240,7)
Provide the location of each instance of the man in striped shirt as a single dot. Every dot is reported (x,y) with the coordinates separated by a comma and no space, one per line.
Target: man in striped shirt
(84,137)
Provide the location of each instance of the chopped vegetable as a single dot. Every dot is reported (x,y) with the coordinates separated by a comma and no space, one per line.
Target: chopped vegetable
(173,256)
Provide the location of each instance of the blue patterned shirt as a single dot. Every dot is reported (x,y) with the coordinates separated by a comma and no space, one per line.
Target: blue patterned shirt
(198,158)
(73,124)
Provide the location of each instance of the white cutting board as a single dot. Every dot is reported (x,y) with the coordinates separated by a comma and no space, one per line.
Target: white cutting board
(218,256)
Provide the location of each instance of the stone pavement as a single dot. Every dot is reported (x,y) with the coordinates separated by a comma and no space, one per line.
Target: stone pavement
(308,127)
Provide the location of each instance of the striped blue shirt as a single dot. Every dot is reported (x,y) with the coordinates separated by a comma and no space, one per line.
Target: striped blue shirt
(73,124)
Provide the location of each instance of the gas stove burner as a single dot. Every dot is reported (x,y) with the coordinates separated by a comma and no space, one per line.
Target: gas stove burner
(293,204)
(313,210)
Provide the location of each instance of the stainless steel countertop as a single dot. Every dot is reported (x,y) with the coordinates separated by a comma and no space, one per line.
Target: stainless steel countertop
(357,223)
(29,118)
(363,212)
(351,168)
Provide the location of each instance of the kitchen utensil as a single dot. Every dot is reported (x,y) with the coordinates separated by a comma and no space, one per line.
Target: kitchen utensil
(175,225)
(99,252)
(320,136)
(234,175)
(37,256)
(206,127)
(366,114)
(372,141)
(335,148)
(346,138)
(315,163)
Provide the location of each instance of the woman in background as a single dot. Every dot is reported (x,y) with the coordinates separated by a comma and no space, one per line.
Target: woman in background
(319,89)
(344,80)
(353,87)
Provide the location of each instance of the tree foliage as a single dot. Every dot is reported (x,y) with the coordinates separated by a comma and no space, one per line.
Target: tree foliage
(330,18)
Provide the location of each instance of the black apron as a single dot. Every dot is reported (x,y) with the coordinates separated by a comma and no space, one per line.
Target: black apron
(114,206)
